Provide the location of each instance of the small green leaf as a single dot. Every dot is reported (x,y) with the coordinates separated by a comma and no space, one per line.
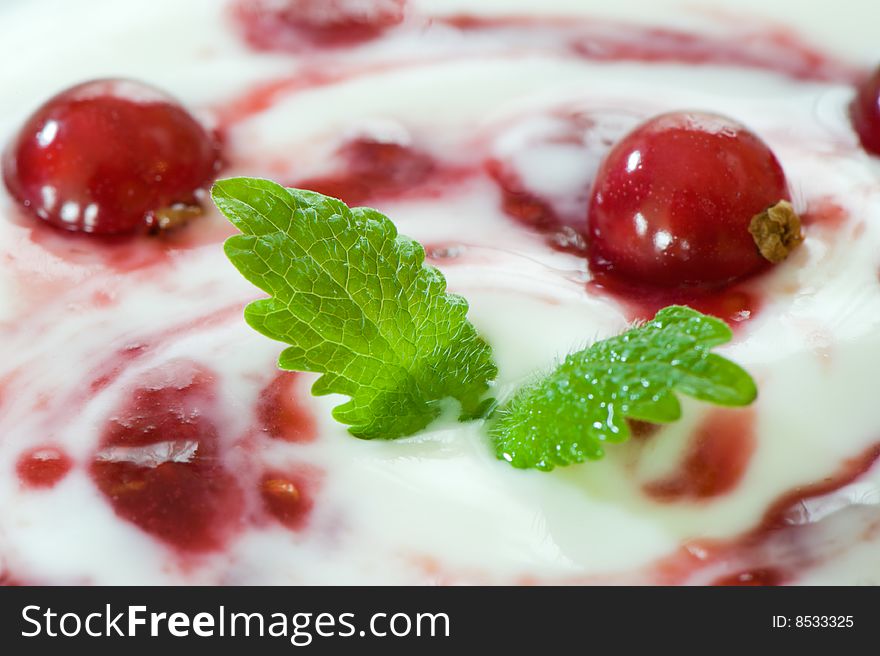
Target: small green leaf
(356,303)
(570,415)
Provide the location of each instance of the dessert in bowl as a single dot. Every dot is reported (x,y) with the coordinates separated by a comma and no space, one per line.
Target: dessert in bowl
(146,433)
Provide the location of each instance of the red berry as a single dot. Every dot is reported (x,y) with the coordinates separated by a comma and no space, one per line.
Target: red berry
(280,414)
(672,202)
(865,113)
(107,156)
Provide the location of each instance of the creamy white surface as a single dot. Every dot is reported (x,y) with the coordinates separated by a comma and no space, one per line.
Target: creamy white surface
(387,508)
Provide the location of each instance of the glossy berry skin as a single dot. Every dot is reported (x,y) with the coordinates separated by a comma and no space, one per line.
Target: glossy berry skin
(672,202)
(865,113)
(105,156)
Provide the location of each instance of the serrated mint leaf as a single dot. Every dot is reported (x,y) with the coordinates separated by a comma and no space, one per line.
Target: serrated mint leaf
(356,303)
(570,415)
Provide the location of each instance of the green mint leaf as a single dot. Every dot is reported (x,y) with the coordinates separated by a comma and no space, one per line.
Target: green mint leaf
(569,416)
(355,302)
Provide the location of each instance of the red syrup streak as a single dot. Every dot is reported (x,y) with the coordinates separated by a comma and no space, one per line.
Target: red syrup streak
(785,522)
(642,429)
(562,232)
(865,113)
(587,38)
(112,368)
(126,253)
(297,25)
(5,382)
(736,305)
(109,368)
(288,496)
(159,462)
(264,95)
(561,219)
(775,49)
(519,203)
(279,413)
(792,509)
(318,25)
(754,577)
(43,467)
(374,169)
(8,580)
(824,212)
(121,254)
(716,460)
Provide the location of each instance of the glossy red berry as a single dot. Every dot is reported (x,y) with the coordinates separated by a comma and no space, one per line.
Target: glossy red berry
(865,113)
(107,156)
(672,202)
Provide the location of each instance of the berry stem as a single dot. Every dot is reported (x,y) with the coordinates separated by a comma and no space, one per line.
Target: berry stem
(777,231)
